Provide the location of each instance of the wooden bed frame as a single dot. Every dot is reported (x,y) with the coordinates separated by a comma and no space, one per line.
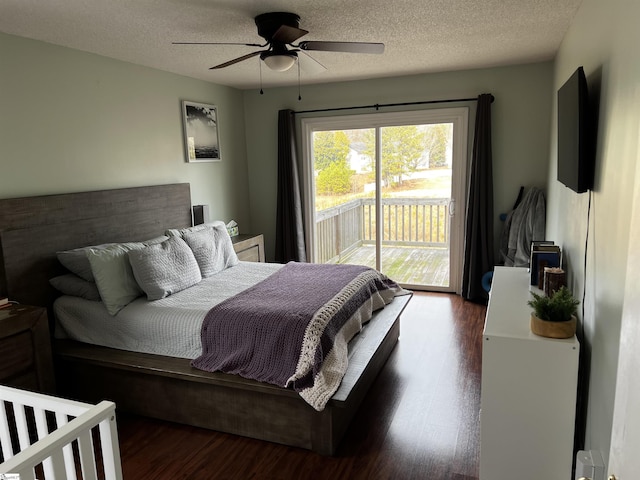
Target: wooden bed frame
(34,228)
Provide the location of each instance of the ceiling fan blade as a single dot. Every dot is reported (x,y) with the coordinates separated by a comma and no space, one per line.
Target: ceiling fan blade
(237,60)
(219,43)
(310,65)
(350,47)
(288,34)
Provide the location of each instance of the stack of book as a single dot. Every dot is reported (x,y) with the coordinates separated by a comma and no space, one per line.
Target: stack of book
(544,253)
(4,302)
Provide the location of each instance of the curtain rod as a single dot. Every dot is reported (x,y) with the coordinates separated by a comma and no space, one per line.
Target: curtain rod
(377,106)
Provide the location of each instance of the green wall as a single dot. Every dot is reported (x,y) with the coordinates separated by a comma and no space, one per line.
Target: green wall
(521,122)
(72,121)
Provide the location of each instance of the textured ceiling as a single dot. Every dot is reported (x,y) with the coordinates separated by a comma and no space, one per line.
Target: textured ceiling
(420,36)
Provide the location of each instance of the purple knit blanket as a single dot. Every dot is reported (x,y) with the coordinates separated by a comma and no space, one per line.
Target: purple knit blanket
(282,329)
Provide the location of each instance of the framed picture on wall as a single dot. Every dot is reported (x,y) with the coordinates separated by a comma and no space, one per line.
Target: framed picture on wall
(201,138)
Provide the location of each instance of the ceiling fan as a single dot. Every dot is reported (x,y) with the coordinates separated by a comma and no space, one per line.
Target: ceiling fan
(280,30)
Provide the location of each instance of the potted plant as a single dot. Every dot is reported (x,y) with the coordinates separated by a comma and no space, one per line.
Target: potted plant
(554,316)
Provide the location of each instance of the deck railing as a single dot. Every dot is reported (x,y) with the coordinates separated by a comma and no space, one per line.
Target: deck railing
(406,222)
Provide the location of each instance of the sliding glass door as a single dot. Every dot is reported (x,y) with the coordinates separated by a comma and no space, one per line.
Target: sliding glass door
(382,190)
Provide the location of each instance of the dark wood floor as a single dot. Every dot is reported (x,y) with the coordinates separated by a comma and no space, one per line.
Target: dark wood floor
(420,420)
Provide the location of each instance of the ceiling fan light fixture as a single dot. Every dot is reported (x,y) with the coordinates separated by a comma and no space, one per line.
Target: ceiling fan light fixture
(279,62)
(280,30)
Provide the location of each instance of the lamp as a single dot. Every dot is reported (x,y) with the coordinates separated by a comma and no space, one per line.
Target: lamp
(278,61)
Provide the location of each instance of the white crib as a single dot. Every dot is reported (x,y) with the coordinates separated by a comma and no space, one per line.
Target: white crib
(67,447)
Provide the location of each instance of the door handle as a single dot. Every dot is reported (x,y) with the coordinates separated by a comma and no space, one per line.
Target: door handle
(452,207)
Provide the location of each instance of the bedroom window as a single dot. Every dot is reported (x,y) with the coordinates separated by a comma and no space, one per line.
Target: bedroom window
(387,190)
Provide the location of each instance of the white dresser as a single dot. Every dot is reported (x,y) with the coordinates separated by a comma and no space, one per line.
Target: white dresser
(529,386)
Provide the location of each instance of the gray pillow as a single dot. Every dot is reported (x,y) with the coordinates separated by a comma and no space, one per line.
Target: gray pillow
(70,284)
(212,248)
(76,260)
(164,268)
(114,278)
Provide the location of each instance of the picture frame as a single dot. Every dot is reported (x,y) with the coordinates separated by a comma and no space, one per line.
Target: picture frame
(201,132)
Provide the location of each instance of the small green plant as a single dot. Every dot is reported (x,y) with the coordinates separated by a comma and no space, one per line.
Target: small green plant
(558,307)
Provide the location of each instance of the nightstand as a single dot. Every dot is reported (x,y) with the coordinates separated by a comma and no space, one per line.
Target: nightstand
(25,348)
(249,247)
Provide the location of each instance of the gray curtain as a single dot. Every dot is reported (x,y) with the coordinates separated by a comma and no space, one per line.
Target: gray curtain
(289,226)
(478,250)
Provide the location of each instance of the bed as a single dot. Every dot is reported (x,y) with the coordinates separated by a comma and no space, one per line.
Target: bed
(160,385)
(71,438)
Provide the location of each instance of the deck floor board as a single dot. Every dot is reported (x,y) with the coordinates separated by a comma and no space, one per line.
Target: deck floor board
(427,266)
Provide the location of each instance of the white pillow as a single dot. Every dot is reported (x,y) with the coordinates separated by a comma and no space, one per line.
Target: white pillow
(113,275)
(212,248)
(165,268)
(175,232)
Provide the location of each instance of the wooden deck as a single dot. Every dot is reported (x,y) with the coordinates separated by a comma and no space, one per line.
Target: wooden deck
(427,266)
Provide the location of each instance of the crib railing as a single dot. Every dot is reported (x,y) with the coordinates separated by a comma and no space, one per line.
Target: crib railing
(58,438)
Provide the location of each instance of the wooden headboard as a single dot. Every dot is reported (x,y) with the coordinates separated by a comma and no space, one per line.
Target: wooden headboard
(33,229)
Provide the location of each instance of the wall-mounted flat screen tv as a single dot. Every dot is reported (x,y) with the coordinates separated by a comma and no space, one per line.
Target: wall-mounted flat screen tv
(575,152)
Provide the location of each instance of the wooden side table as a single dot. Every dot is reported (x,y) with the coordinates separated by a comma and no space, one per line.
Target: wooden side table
(249,247)
(25,348)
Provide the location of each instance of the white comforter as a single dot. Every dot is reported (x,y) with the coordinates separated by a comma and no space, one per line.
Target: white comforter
(170,326)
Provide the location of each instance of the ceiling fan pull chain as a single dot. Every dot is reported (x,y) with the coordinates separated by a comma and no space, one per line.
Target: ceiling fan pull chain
(260,67)
(299,96)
